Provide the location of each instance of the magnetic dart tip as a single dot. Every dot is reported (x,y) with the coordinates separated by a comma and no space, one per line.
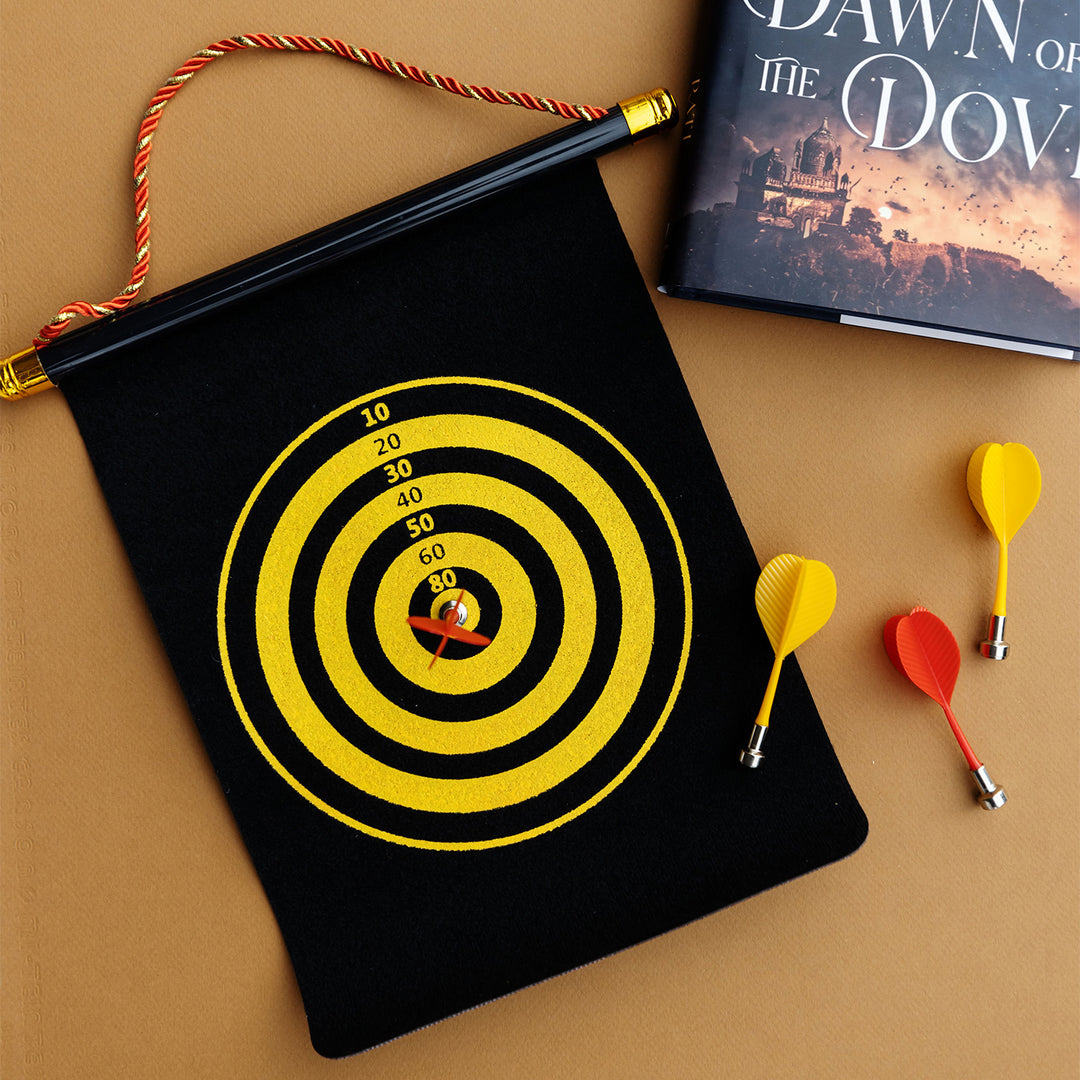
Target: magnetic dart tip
(991,797)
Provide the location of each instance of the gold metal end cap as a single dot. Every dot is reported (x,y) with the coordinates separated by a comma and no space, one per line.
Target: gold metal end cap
(649,112)
(22,375)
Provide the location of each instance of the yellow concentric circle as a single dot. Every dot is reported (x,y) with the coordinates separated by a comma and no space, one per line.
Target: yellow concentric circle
(393,451)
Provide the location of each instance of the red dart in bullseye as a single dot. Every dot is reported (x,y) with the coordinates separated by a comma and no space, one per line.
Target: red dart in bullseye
(923,648)
(449,626)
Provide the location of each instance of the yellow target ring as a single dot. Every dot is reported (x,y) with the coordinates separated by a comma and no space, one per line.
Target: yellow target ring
(489,665)
(437,794)
(426,733)
(485,667)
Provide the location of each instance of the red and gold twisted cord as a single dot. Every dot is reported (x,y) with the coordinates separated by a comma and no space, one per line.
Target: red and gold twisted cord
(152,117)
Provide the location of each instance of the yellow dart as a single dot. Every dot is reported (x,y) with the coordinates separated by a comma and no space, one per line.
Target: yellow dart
(1004,483)
(794,599)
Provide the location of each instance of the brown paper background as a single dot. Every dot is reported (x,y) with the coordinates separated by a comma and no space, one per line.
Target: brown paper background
(136,941)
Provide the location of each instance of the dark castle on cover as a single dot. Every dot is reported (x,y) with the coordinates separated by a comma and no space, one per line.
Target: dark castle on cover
(914,159)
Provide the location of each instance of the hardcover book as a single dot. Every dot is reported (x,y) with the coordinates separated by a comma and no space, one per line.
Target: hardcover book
(906,164)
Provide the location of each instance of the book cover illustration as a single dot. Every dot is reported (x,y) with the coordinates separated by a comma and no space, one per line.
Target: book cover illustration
(912,161)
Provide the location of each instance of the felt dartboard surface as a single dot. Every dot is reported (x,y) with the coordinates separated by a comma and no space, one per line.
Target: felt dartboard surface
(485,411)
(563,553)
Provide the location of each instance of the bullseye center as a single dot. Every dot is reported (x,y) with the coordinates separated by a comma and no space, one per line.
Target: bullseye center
(455,611)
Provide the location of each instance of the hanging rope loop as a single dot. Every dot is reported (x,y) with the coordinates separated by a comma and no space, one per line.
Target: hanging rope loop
(152,117)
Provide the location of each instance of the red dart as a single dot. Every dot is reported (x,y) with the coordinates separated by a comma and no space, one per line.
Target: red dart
(923,648)
(447,627)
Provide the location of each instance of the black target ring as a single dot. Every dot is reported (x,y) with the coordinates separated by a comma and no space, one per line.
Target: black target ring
(575,740)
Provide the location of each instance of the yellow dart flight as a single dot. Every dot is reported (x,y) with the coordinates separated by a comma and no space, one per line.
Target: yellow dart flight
(794,599)
(1004,482)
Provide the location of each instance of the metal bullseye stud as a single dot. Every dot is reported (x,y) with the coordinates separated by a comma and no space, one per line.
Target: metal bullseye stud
(449,625)
(454,606)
